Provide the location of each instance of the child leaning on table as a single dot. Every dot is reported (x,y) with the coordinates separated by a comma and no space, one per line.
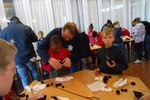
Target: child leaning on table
(58,52)
(110,58)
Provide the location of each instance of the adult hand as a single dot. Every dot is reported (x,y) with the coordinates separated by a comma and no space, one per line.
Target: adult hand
(96,71)
(67,62)
(37,96)
(55,63)
(145,97)
(111,65)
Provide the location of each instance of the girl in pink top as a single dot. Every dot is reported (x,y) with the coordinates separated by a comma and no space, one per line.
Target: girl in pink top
(90,34)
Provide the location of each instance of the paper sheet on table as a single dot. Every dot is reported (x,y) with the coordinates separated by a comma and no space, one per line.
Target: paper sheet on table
(62,98)
(67,78)
(120,83)
(98,85)
(98,78)
(36,88)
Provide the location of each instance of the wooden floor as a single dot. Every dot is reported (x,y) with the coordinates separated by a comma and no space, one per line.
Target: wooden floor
(141,70)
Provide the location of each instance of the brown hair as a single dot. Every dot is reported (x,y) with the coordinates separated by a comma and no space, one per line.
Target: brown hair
(108,31)
(71,27)
(55,39)
(40,32)
(138,20)
(115,23)
(7,52)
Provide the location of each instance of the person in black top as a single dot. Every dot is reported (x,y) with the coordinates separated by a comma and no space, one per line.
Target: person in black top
(110,58)
(22,36)
(147,40)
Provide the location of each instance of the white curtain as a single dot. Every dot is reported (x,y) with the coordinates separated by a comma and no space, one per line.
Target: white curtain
(39,16)
(22,9)
(118,5)
(147,10)
(77,13)
(59,12)
(106,10)
(93,14)
(135,9)
(3,21)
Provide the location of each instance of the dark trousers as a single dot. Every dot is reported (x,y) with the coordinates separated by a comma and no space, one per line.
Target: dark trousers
(147,46)
(138,50)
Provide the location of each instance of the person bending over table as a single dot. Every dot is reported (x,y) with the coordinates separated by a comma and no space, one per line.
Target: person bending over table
(70,39)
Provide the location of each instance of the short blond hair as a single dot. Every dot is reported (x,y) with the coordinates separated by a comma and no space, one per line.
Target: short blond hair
(108,31)
(7,52)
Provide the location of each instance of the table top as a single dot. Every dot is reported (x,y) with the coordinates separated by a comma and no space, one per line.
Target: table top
(128,39)
(95,47)
(82,78)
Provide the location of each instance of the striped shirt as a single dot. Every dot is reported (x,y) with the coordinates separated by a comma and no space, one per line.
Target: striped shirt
(139,32)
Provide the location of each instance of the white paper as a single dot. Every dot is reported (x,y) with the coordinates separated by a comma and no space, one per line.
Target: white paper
(36,88)
(120,82)
(62,98)
(98,78)
(98,85)
(67,78)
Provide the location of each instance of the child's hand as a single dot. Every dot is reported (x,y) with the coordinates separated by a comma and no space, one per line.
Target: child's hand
(67,62)
(96,71)
(55,63)
(111,65)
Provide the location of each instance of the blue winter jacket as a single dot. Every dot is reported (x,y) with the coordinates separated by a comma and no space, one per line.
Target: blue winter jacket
(22,37)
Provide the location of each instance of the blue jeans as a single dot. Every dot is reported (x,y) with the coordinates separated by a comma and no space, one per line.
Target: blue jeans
(147,45)
(75,67)
(25,69)
(138,50)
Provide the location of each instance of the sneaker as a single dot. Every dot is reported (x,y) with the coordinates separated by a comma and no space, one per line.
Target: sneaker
(137,61)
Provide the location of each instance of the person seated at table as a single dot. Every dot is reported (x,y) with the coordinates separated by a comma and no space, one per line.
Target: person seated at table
(125,32)
(99,39)
(110,58)
(7,66)
(118,35)
(58,52)
(107,25)
(91,34)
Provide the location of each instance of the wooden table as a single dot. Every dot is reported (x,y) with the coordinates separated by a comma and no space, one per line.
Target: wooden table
(82,78)
(94,47)
(128,42)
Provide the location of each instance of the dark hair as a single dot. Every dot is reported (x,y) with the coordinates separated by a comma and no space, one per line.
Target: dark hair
(91,26)
(94,34)
(109,22)
(71,26)
(14,18)
(55,39)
